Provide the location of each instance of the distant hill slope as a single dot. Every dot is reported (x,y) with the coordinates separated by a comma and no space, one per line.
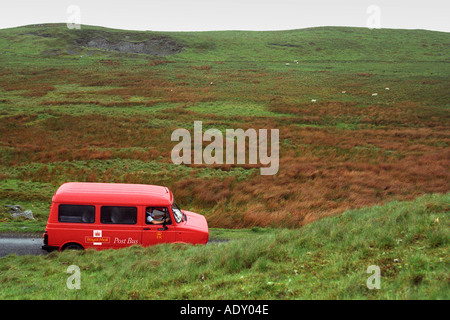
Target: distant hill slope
(362,115)
(324,43)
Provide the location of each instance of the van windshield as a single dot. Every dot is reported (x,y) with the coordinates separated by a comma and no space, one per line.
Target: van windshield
(178,215)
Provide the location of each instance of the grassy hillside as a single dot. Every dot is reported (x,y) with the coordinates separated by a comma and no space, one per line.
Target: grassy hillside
(55,41)
(76,106)
(327,259)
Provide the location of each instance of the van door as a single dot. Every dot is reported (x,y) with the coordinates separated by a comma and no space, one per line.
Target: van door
(155,230)
(119,226)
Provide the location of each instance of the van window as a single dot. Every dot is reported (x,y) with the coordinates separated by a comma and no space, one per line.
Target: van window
(118,215)
(76,213)
(177,212)
(157,215)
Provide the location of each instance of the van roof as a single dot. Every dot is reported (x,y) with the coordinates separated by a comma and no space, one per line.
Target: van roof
(113,193)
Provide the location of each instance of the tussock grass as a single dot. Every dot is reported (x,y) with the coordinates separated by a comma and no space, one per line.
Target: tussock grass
(326,259)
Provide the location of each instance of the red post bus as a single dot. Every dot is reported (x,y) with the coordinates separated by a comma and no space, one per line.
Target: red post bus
(116,215)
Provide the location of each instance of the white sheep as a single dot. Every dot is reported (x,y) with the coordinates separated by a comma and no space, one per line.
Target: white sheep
(313,100)
(374,94)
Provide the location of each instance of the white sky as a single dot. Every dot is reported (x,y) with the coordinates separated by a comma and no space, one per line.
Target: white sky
(199,15)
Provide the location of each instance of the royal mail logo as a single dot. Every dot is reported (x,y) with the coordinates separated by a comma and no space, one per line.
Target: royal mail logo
(97,233)
(97,237)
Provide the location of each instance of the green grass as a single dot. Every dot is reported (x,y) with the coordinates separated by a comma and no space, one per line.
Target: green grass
(73,113)
(326,259)
(233,109)
(244,48)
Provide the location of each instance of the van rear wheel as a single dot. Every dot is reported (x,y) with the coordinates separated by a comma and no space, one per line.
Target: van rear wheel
(72,246)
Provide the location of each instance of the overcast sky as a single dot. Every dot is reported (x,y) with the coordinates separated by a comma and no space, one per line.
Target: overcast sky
(199,15)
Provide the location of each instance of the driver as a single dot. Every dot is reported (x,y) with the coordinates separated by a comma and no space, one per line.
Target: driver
(161,213)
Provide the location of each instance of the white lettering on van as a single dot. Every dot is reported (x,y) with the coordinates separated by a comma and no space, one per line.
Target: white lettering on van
(125,241)
(132,241)
(119,241)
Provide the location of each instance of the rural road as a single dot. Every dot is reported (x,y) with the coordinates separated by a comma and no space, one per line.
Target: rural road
(20,245)
(32,245)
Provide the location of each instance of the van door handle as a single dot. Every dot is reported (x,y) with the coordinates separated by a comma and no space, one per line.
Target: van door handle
(147,229)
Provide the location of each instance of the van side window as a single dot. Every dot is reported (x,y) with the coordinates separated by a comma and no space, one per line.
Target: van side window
(118,215)
(157,215)
(76,213)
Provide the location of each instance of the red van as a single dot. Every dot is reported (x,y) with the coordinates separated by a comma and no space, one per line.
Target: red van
(116,215)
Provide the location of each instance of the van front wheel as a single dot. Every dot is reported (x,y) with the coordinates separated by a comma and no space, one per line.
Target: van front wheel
(72,246)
